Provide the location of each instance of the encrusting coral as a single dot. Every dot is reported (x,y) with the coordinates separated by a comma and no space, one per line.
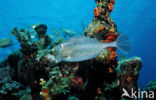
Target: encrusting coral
(110,6)
(97,11)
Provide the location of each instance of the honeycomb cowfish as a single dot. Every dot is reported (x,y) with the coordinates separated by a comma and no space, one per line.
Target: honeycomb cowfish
(82,48)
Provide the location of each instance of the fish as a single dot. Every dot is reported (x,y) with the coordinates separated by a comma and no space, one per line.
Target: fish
(32,36)
(68,32)
(81,48)
(34,25)
(51,36)
(57,33)
(5,43)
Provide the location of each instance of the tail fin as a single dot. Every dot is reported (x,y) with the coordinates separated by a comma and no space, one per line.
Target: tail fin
(123,43)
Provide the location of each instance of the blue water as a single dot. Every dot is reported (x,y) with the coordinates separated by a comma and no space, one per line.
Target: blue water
(136,18)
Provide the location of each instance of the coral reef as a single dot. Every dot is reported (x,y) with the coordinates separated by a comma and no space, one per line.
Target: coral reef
(104,29)
(10,89)
(128,72)
(62,79)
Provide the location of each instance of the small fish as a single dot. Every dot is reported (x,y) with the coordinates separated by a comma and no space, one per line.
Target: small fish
(57,33)
(34,26)
(68,32)
(83,48)
(32,36)
(51,36)
(4,43)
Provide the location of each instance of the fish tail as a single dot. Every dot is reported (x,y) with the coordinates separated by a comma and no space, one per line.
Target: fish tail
(123,43)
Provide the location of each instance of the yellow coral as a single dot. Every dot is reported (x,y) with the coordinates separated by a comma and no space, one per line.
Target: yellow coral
(42,82)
